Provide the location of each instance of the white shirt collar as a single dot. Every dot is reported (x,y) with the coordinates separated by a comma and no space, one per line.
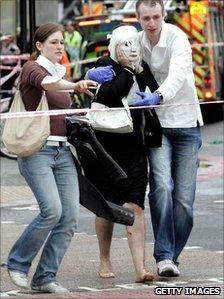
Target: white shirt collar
(56,70)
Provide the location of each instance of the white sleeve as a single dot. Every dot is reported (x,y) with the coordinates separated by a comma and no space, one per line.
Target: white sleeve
(180,67)
(50,80)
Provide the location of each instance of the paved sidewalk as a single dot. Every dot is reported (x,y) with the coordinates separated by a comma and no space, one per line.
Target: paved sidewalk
(200,268)
(79,271)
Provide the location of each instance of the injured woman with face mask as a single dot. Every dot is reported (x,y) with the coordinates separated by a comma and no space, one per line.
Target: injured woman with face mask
(131,75)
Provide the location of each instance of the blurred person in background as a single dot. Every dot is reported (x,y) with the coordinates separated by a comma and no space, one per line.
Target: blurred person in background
(9,47)
(65,61)
(73,43)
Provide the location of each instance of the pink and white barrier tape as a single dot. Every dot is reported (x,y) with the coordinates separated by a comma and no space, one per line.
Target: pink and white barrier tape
(207,45)
(18,57)
(85,110)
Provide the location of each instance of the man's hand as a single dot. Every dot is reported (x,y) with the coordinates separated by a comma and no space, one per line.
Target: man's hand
(148,99)
(101,74)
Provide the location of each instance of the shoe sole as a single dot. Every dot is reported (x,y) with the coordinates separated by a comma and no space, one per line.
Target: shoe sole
(167,273)
(38,291)
(34,291)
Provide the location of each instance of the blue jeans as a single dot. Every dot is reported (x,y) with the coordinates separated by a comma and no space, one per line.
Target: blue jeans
(52,176)
(173,171)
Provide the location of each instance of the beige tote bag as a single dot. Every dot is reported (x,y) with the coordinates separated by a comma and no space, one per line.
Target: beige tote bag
(25,136)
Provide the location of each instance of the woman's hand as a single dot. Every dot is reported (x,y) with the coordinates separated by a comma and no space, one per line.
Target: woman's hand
(138,64)
(83,85)
(122,59)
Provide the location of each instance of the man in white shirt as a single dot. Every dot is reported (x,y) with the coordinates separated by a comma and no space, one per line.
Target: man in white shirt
(173,167)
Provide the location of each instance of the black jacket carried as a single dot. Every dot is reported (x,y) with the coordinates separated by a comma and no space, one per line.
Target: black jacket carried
(91,154)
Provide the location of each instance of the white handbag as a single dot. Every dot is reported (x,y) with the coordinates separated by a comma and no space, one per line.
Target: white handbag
(113,121)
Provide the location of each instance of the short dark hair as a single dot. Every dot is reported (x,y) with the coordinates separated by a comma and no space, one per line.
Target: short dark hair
(149,3)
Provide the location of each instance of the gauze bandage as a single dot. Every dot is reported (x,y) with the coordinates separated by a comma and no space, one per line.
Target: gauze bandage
(127,37)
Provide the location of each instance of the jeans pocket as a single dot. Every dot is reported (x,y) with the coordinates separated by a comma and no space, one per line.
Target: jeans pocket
(43,146)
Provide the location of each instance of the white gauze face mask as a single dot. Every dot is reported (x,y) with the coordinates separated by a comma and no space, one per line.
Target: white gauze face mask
(126,37)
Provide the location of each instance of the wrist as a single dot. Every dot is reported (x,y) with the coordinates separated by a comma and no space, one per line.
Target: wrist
(139,69)
(127,65)
(75,86)
(129,69)
(160,97)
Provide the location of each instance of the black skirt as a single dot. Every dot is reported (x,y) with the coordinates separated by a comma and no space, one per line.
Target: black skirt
(134,163)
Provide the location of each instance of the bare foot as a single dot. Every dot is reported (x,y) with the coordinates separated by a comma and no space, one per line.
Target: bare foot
(105,270)
(145,277)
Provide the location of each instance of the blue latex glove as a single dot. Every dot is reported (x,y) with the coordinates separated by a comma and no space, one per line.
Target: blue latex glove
(101,74)
(148,99)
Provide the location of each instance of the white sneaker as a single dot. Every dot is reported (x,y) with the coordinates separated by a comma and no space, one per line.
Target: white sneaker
(19,279)
(176,270)
(167,268)
(52,287)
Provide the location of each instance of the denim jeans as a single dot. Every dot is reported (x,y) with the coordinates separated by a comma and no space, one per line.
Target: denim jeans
(52,176)
(173,171)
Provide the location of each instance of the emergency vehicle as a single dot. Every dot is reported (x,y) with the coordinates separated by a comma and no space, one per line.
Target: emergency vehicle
(201,20)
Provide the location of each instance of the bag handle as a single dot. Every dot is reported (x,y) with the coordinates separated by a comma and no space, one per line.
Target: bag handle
(18,87)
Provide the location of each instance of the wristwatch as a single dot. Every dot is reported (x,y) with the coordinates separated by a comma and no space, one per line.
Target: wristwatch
(160,97)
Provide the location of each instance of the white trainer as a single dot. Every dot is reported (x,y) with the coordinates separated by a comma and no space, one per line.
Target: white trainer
(52,287)
(19,279)
(167,268)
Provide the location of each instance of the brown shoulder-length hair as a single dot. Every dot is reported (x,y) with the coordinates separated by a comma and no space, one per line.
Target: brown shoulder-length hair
(42,33)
